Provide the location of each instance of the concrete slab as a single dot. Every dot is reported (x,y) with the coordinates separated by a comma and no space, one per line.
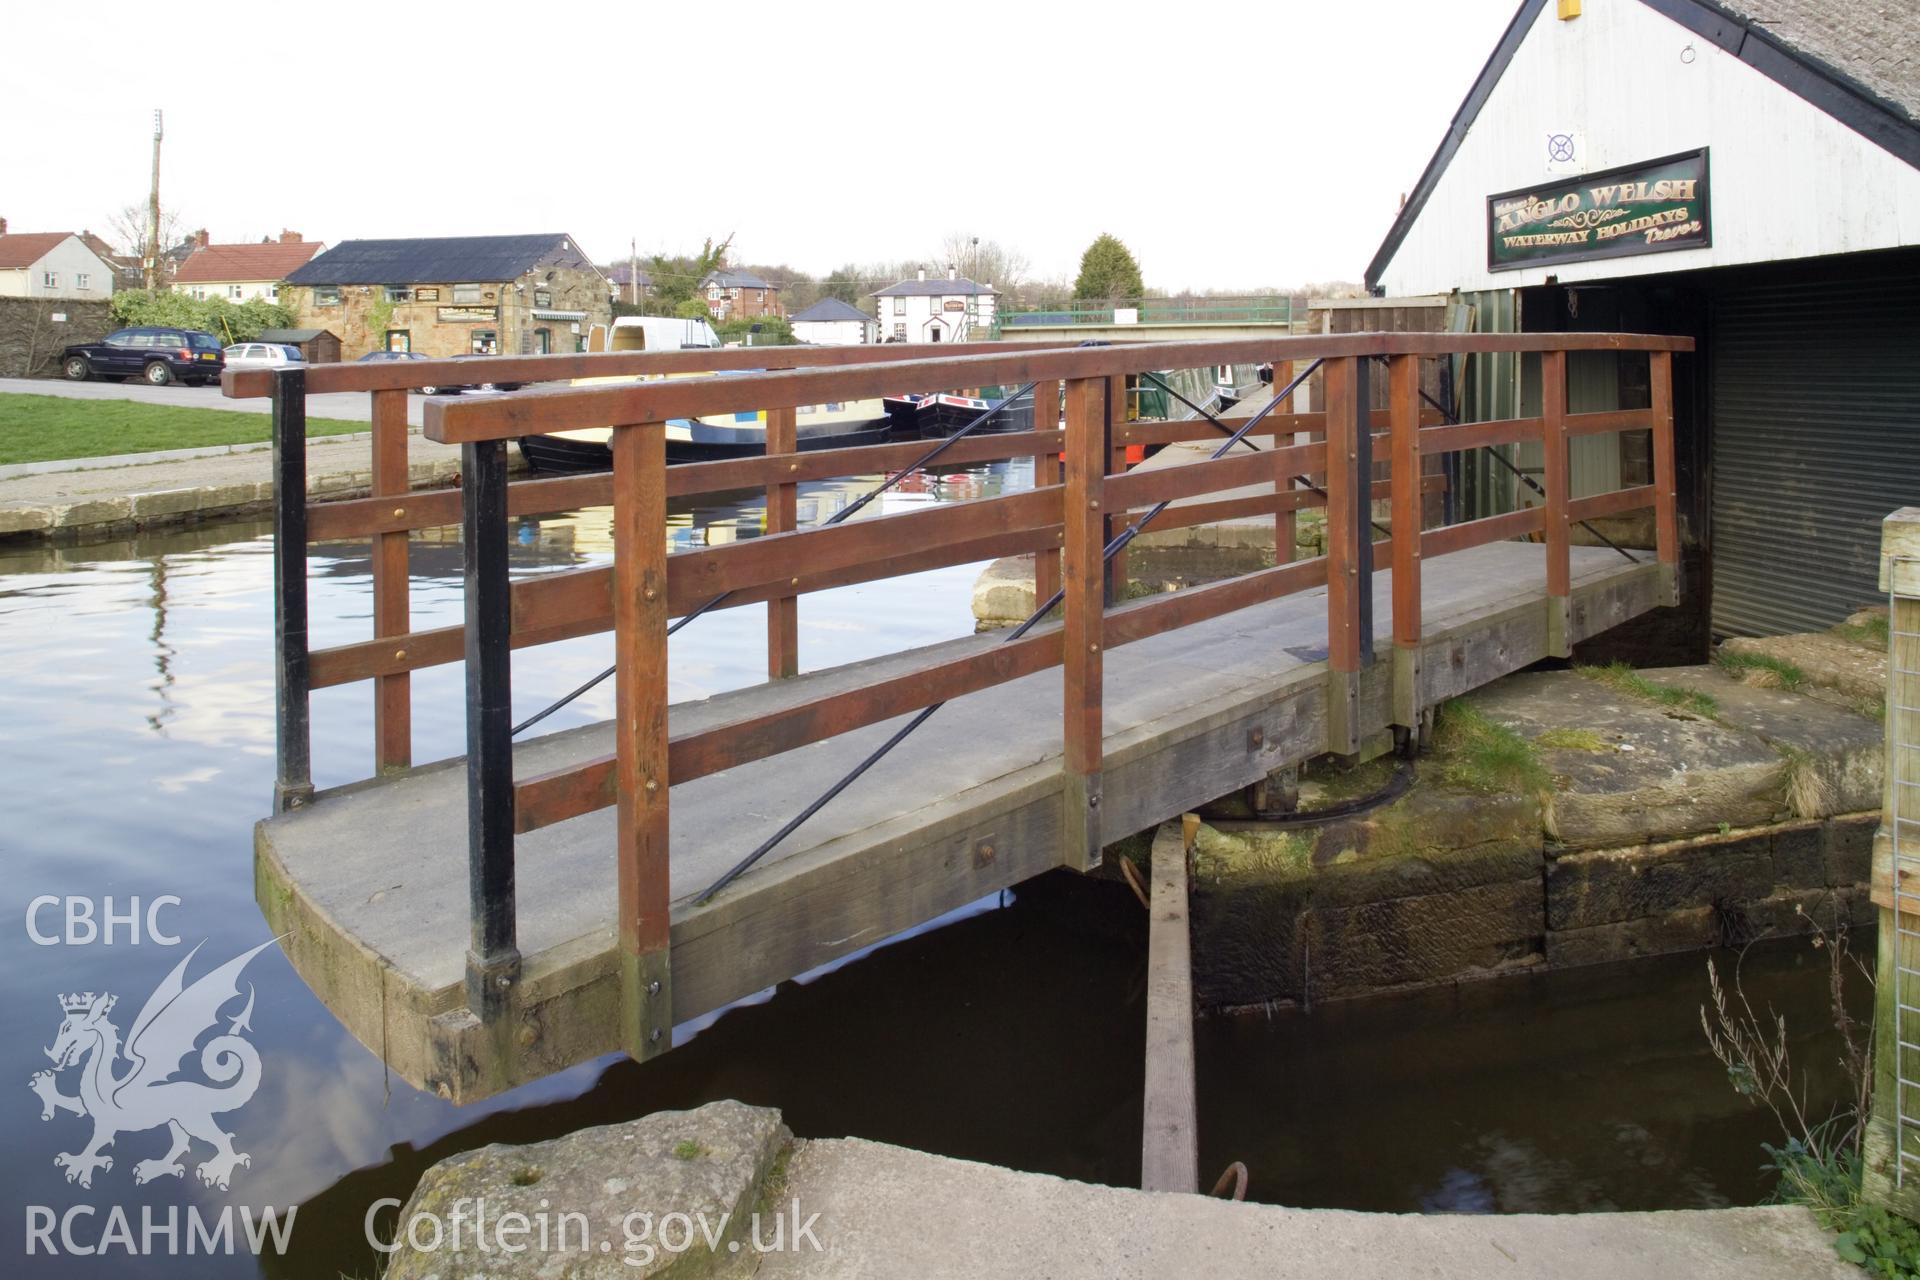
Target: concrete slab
(886,1211)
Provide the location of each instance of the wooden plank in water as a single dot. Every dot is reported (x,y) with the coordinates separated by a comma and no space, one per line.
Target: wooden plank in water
(1169,1131)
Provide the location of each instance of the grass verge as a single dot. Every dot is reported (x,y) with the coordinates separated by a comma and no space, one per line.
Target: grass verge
(1624,679)
(47,428)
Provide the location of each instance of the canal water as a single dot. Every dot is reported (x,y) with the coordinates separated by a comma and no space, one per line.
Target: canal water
(136,752)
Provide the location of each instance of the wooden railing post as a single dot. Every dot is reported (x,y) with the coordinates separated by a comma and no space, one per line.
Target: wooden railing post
(1666,522)
(1349,548)
(292,690)
(392,613)
(640,736)
(1553,441)
(493,957)
(1286,525)
(1116,464)
(1403,406)
(783,612)
(1046,471)
(1084,522)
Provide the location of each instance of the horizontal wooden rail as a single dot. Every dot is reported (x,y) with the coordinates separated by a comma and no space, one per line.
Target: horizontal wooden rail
(359,517)
(1597,424)
(561,606)
(1182,430)
(697,576)
(1474,533)
(1479,435)
(1188,515)
(1611,504)
(507,417)
(1235,471)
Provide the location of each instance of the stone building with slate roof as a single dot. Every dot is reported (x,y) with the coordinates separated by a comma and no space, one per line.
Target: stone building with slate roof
(452,296)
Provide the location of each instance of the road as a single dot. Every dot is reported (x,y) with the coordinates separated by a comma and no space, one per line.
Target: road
(348,406)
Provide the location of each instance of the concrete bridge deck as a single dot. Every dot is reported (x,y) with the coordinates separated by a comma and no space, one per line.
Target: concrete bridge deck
(369,881)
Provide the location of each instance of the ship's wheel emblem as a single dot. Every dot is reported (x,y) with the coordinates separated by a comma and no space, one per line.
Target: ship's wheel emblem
(1559,147)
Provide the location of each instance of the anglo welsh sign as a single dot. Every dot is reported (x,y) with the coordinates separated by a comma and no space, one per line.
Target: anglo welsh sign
(468,315)
(1639,208)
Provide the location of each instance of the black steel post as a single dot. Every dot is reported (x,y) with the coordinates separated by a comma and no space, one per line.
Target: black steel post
(1362,533)
(493,960)
(293,736)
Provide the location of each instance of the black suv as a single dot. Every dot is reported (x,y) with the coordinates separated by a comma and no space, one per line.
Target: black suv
(157,355)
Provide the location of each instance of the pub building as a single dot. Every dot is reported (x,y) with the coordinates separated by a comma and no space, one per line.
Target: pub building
(1741,173)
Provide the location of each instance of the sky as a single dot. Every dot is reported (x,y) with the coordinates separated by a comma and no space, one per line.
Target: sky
(1230,145)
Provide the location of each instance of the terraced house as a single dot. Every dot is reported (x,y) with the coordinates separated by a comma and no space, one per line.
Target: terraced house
(452,295)
(239,272)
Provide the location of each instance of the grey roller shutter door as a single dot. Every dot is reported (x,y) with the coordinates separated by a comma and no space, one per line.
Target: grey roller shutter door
(1816,437)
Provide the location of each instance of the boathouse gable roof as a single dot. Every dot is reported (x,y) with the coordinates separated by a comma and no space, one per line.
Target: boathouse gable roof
(1842,57)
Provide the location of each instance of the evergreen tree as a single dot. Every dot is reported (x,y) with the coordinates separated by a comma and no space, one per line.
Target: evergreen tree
(1108,273)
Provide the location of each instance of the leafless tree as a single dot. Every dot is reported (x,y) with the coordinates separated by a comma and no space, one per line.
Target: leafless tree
(987,261)
(128,229)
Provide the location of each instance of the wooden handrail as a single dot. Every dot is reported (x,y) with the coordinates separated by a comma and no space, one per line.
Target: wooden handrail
(561,409)
(451,371)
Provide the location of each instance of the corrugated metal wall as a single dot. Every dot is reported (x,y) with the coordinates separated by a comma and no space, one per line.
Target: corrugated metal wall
(1816,437)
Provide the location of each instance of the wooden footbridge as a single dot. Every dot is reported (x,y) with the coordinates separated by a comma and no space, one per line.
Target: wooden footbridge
(586,854)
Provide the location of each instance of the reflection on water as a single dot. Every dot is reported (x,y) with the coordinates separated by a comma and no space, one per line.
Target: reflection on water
(136,695)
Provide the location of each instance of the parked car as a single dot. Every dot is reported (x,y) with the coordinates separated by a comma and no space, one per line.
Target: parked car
(262,355)
(158,356)
(377,356)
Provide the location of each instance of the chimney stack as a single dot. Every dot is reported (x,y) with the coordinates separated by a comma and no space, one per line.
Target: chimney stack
(953,272)
(3,226)
(201,238)
(289,237)
(923,273)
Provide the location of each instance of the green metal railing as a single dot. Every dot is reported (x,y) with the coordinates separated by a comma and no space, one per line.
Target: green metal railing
(1278,310)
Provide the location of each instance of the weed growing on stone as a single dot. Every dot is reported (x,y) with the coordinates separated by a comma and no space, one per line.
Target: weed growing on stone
(1761,670)
(1820,1161)
(1571,740)
(1872,633)
(1808,794)
(1471,751)
(688,1149)
(1622,678)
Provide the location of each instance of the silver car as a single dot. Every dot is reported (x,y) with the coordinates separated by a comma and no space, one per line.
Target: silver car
(263,355)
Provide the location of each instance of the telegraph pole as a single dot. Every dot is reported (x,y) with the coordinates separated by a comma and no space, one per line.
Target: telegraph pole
(153,210)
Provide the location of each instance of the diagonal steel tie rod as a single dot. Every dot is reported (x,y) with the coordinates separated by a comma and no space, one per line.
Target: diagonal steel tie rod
(925,714)
(844,513)
(1310,486)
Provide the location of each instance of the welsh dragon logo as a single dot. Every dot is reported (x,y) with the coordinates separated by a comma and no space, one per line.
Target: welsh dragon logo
(145,1095)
